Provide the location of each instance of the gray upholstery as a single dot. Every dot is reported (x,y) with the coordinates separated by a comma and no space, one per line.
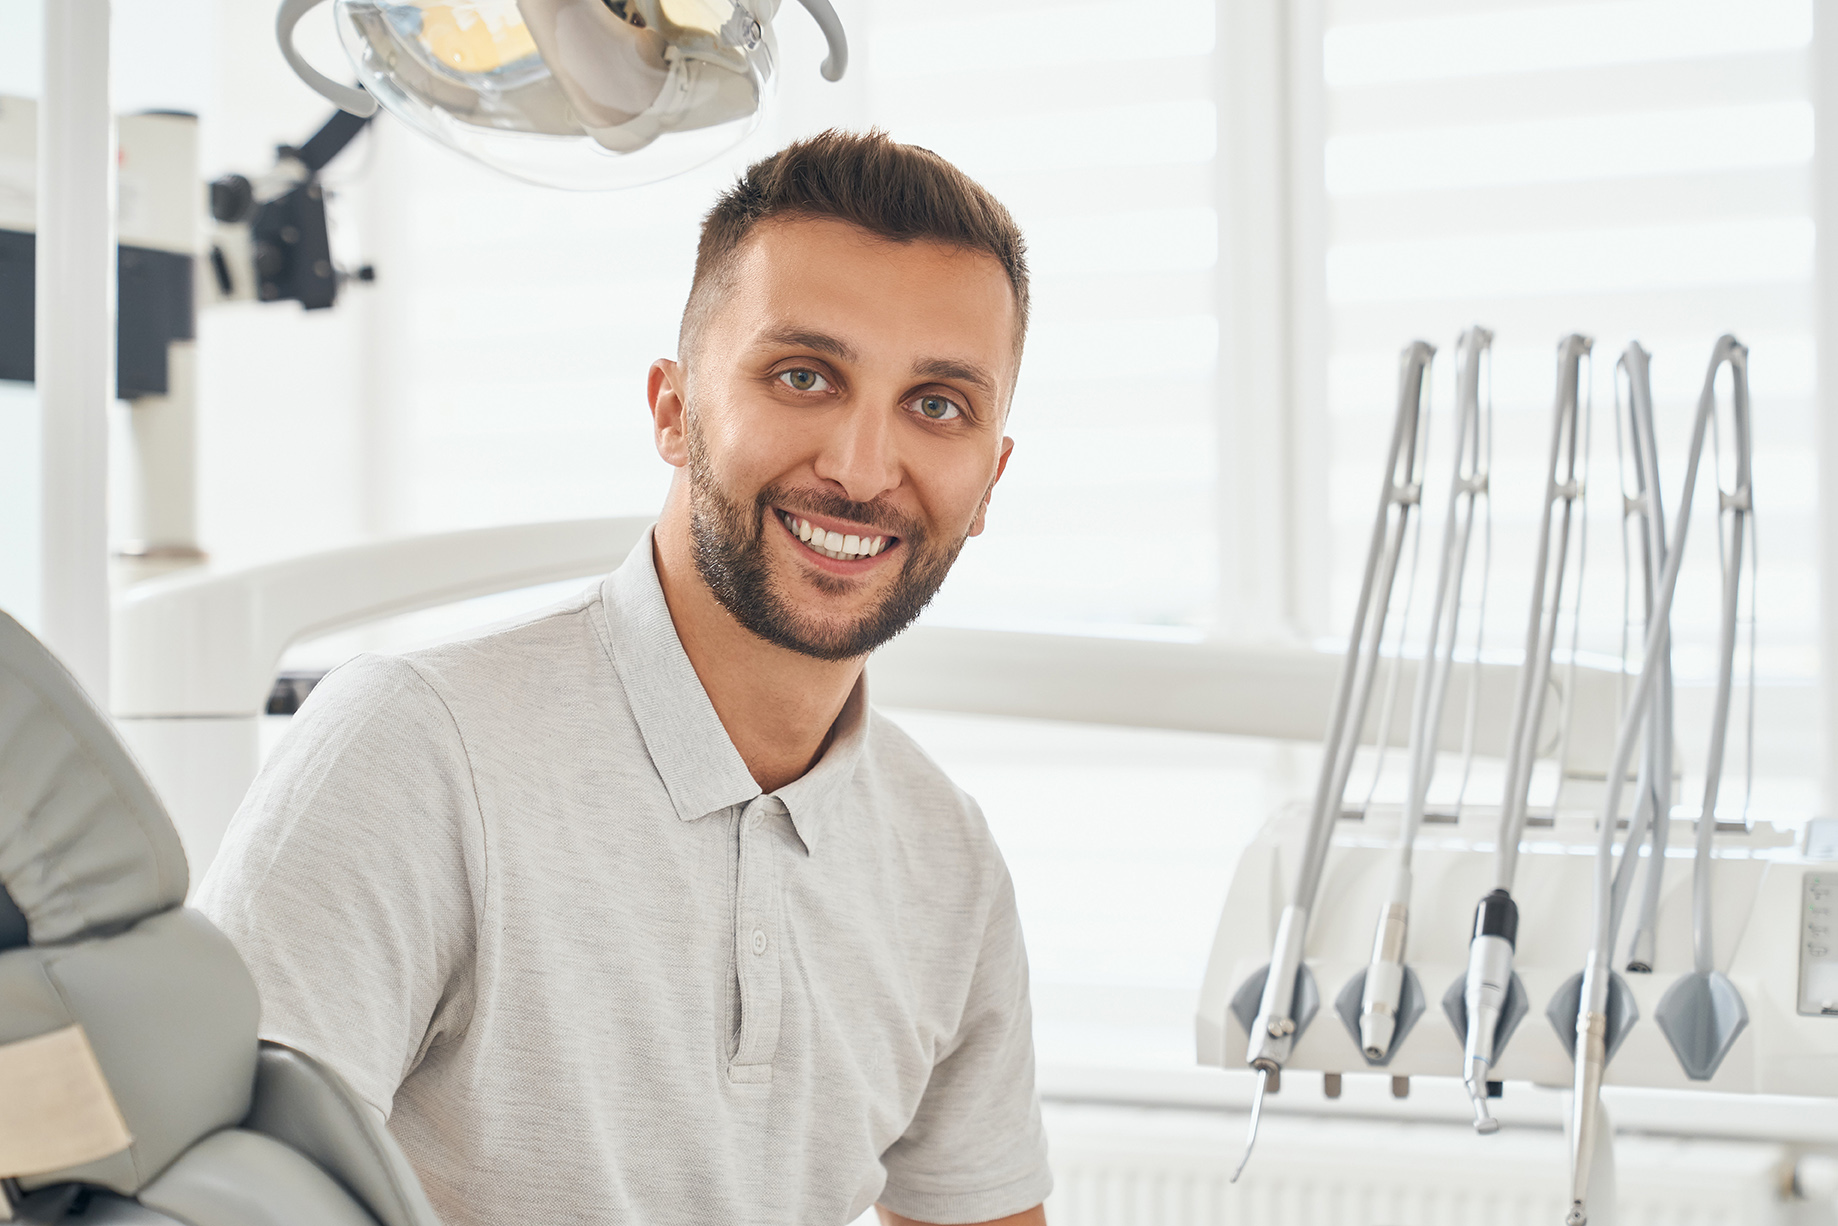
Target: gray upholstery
(94,933)
(237,1178)
(171,1013)
(307,1105)
(85,847)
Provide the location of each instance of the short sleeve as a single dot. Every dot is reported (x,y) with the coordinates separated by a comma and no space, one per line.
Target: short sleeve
(345,880)
(975,1150)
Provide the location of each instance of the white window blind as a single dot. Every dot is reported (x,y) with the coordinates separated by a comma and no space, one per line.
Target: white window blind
(1626,170)
(1101,143)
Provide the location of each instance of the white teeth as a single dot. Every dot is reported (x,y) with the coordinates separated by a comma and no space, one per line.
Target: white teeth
(844,548)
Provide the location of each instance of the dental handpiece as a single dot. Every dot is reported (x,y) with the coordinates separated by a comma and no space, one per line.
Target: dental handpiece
(1490,976)
(1384,990)
(1591,1060)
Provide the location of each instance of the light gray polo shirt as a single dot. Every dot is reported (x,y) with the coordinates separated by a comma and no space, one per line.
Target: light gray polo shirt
(522,892)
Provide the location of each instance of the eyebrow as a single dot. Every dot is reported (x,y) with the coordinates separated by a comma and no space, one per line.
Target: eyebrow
(804,338)
(923,368)
(950,368)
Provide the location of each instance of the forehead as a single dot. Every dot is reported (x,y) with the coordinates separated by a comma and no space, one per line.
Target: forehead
(882,295)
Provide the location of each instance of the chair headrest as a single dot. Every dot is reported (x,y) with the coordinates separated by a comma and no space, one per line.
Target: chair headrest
(127,1023)
(85,847)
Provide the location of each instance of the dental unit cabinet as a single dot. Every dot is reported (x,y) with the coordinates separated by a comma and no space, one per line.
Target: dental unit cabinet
(1726,978)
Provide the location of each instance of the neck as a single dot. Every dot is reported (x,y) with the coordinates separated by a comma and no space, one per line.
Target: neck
(777,705)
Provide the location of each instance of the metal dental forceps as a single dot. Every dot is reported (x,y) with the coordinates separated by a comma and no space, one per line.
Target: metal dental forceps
(1705,1016)
(1383,1002)
(1492,999)
(1276,1004)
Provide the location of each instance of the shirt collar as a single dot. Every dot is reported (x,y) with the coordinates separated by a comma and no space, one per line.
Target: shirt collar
(702,771)
(814,798)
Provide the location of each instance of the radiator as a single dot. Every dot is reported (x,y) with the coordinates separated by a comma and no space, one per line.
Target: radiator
(1139,1166)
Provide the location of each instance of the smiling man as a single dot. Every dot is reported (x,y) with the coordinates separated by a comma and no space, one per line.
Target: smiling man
(637,912)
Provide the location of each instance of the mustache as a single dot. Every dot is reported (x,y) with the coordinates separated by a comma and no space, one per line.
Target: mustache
(875,514)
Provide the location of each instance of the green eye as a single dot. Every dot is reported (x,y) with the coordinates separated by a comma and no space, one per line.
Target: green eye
(802,380)
(937,408)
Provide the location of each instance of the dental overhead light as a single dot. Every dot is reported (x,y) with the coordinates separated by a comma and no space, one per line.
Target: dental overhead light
(583,94)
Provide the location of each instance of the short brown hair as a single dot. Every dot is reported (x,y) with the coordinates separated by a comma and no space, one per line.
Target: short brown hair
(898,192)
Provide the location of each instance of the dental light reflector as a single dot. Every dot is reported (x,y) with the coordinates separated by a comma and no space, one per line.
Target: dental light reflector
(584,94)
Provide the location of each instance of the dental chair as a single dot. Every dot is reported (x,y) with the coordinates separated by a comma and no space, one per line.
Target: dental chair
(132,1087)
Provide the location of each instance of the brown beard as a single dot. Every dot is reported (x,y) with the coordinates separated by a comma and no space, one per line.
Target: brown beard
(728,543)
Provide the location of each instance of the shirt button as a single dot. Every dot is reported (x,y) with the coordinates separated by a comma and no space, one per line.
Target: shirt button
(759,941)
(756,821)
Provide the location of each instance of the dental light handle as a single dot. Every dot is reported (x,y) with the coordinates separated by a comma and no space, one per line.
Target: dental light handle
(344,97)
(837,61)
(1490,975)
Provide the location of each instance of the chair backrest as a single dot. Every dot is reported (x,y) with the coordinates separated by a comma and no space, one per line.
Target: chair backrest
(129,1066)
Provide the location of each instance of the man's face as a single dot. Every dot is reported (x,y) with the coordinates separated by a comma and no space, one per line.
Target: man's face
(840,429)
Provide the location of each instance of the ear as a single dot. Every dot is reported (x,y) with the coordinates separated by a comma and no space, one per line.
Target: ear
(664,387)
(982,510)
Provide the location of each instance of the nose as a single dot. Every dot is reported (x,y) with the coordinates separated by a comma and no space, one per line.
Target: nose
(859,455)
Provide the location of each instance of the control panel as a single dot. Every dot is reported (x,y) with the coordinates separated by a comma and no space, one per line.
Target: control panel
(1819,944)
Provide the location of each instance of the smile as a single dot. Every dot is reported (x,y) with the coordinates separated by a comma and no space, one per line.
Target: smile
(843,548)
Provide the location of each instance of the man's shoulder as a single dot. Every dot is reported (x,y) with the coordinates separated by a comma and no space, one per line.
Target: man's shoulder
(544,658)
(922,790)
(563,635)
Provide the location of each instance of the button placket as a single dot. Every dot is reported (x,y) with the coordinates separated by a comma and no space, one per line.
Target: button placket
(756,945)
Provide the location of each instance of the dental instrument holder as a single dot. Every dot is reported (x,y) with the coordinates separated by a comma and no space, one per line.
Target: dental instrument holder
(1380,1004)
(1759,877)
(1284,986)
